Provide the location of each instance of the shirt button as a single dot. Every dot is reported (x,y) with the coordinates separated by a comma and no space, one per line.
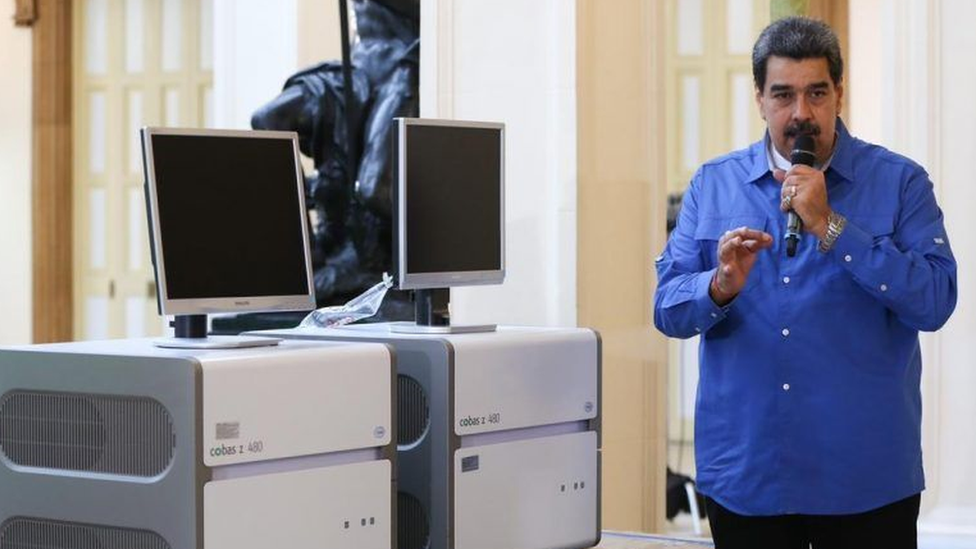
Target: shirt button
(884,287)
(848,258)
(714,315)
(786,332)
(786,386)
(697,329)
(786,280)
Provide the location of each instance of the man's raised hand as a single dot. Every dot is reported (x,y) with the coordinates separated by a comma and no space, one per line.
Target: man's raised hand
(737,251)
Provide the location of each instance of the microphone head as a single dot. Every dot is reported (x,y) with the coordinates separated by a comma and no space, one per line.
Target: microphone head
(803,150)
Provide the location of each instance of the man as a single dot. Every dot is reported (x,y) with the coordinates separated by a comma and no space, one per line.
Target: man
(809,410)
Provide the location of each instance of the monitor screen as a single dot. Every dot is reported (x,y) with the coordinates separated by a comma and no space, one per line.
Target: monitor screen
(449,205)
(228,222)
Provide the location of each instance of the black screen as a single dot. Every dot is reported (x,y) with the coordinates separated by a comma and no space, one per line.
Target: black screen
(230,219)
(453,199)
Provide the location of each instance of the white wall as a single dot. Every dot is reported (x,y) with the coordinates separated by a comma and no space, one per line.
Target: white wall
(514,61)
(922,106)
(255,50)
(319,36)
(15,183)
(865,70)
(952,399)
(259,44)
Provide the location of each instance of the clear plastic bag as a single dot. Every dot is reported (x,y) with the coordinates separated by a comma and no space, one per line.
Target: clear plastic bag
(362,306)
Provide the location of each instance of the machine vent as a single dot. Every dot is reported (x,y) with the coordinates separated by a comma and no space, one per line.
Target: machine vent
(31,533)
(412,411)
(413,531)
(130,436)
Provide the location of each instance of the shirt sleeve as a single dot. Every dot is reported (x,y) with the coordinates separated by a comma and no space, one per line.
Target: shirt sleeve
(682,306)
(912,271)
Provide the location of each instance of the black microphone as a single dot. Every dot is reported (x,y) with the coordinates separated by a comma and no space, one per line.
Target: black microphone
(802,153)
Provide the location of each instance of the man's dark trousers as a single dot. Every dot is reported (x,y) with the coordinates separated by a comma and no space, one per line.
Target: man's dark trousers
(891,527)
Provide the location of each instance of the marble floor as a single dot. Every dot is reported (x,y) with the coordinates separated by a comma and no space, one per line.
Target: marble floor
(627,540)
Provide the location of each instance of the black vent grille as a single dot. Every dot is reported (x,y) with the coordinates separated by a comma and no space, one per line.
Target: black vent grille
(130,436)
(30,533)
(412,411)
(413,531)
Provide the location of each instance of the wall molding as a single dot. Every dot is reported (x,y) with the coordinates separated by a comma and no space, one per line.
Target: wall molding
(52,181)
(25,13)
(437,59)
(621,223)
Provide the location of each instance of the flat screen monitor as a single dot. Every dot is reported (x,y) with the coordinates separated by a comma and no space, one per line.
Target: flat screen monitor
(227,221)
(449,203)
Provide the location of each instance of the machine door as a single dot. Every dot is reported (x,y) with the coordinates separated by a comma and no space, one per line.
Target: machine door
(538,493)
(338,506)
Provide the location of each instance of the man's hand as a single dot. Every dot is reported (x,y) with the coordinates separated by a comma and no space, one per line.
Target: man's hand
(805,192)
(737,251)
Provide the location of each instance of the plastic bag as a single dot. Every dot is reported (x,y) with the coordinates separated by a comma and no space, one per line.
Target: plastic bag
(362,306)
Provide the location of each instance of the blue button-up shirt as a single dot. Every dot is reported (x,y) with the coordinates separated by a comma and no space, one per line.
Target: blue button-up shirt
(808,394)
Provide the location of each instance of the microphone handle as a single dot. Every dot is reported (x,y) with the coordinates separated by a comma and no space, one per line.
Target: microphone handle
(803,153)
(794,226)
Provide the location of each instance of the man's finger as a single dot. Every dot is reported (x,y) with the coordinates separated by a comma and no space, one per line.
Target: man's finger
(746,233)
(727,248)
(756,245)
(800,169)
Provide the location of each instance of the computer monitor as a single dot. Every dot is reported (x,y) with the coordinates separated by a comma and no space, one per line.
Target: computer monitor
(228,226)
(449,210)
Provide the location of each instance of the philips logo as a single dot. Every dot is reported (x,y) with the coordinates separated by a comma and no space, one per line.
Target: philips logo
(242,303)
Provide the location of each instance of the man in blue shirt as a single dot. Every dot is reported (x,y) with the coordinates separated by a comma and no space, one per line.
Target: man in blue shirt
(808,417)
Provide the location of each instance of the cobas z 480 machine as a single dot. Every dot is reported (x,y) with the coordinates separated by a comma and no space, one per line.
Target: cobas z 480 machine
(125,445)
(498,436)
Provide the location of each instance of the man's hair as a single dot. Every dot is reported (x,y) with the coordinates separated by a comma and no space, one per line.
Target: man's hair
(797,38)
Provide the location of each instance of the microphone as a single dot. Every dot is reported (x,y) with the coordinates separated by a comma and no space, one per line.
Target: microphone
(802,153)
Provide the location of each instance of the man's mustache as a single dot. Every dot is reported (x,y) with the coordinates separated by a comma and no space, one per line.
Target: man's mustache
(802,128)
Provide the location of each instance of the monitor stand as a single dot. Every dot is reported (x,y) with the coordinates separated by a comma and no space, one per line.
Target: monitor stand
(433,316)
(191,333)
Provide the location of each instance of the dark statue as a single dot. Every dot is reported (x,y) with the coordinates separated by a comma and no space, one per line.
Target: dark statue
(351,219)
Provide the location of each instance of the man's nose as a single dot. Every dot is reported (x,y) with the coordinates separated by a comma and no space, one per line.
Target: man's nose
(801,110)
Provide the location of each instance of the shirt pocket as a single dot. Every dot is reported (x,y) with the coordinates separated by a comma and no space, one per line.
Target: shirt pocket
(832,273)
(710,230)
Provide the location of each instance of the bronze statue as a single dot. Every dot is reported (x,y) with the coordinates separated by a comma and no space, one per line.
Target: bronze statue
(351,216)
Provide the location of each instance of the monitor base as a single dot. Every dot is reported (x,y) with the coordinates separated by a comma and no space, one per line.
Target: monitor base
(216,342)
(411,328)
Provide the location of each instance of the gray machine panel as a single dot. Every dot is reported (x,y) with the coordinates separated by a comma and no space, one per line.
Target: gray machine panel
(63,495)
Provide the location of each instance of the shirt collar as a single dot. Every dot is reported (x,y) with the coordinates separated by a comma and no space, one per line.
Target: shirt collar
(841,161)
(777,160)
